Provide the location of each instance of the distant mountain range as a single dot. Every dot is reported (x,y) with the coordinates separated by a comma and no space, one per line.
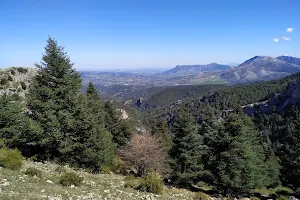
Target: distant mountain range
(194,69)
(262,68)
(255,69)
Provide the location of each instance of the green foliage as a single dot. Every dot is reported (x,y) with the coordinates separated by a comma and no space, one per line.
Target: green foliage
(118,166)
(187,150)
(171,95)
(152,183)
(105,169)
(9,78)
(254,198)
(201,196)
(240,148)
(163,134)
(71,124)
(3,81)
(284,191)
(131,182)
(281,197)
(60,169)
(12,71)
(70,178)
(22,70)
(23,85)
(119,129)
(11,159)
(31,171)
(265,191)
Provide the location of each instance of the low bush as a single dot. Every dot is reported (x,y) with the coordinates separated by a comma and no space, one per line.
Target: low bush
(105,170)
(31,171)
(131,181)
(70,178)
(60,169)
(201,196)
(10,158)
(281,197)
(23,85)
(152,183)
(265,191)
(254,198)
(204,186)
(22,70)
(119,166)
(284,191)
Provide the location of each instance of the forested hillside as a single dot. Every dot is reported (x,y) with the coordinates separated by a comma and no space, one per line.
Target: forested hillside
(182,93)
(219,129)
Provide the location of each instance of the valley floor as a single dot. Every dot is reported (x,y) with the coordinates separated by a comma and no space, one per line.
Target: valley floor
(15,185)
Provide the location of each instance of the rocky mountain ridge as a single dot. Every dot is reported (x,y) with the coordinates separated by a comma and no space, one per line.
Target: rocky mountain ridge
(194,69)
(261,68)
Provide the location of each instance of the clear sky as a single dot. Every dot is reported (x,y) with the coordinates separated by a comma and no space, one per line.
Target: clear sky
(107,34)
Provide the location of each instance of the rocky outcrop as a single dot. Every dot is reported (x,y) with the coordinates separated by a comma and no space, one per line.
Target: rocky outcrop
(279,102)
(15,80)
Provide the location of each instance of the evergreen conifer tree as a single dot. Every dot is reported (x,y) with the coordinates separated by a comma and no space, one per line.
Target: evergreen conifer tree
(187,150)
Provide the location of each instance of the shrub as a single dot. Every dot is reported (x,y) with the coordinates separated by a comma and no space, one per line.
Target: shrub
(204,186)
(105,169)
(131,181)
(70,178)
(12,71)
(118,166)
(9,78)
(201,196)
(152,183)
(31,171)
(3,81)
(22,70)
(284,191)
(297,192)
(254,198)
(23,85)
(265,191)
(11,159)
(281,197)
(60,169)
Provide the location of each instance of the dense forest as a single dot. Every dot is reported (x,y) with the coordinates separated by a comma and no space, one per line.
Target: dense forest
(194,145)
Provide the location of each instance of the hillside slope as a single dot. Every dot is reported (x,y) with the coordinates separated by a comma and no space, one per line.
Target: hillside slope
(15,185)
(194,69)
(260,68)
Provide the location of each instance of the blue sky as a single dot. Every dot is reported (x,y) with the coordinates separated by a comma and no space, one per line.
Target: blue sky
(100,34)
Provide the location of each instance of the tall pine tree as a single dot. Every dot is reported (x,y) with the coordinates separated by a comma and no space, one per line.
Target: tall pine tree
(72,123)
(187,150)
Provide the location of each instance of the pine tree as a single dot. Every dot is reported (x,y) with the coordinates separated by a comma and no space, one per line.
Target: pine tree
(52,100)
(72,123)
(91,91)
(162,133)
(119,128)
(239,156)
(187,150)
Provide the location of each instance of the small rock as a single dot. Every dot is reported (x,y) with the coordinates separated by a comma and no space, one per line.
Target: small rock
(72,186)
(5,184)
(48,181)
(106,191)
(42,190)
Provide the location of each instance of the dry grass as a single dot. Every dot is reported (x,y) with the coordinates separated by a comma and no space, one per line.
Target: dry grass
(15,185)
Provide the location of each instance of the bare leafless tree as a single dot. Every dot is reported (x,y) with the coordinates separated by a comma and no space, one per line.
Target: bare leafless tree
(145,152)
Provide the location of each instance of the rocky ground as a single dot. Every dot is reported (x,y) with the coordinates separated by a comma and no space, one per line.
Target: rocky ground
(15,185)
